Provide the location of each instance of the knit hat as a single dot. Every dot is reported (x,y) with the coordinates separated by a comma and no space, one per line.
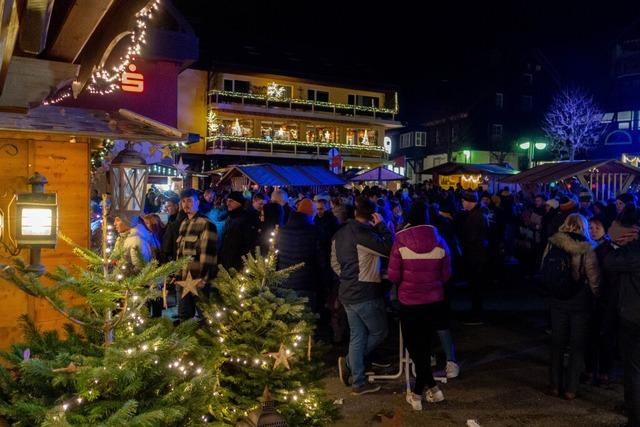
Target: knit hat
(470,196)
(130,220)
(585,195)
(175,199)
(553,203)
(305,206)
(626,198)
(236,196)
(323,196)
(485,194)
(566,203)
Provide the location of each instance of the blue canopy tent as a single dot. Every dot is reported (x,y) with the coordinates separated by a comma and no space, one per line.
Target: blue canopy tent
(241,177)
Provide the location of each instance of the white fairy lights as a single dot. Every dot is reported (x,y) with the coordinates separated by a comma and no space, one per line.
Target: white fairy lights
(104,81)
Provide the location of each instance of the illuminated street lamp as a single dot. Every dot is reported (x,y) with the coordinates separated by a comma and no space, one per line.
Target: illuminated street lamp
(531,149)
(467,155)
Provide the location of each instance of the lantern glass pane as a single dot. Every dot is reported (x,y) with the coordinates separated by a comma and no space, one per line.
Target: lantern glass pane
(36,222)
(115,187)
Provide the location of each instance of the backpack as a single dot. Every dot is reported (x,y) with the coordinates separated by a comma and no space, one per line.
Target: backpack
(556,276)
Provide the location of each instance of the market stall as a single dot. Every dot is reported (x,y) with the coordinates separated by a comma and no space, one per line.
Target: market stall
(605,178)
(469,175)
(242,177)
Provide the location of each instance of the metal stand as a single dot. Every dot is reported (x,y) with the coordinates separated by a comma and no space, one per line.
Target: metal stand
(406,367)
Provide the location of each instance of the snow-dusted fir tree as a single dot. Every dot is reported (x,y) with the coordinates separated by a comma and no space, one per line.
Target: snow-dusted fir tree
(573,123)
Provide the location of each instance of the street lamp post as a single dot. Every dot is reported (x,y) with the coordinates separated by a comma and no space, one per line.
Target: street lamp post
(531,147)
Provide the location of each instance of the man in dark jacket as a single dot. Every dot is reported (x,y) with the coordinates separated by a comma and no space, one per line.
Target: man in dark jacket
(355,257)
(176,216)
(331,312)
(473,234)
(240,235)
(298,242)
(626,262)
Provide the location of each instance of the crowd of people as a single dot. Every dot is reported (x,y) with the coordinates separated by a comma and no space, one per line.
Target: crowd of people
(371,250)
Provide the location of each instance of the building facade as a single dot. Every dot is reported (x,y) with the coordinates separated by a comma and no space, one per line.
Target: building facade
(482,115)
(621,119)
(253,118)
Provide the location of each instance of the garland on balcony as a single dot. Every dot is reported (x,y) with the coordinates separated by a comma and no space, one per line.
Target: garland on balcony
(244,139)
(304,102)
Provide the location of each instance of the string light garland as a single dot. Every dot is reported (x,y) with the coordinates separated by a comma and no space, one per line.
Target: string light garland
(104,81)
(247,139)
(309,102)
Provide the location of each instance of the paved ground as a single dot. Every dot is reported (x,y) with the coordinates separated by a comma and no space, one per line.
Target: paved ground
(503,380)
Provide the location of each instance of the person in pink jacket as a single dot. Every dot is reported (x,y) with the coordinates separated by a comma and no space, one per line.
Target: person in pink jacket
(420,265)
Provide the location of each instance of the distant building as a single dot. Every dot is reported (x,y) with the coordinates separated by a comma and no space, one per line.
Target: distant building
(621,118)
(256,118)
(482,116)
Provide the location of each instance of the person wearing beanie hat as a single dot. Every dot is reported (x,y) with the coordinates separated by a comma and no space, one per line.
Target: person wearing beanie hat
(299,242)
(470,196)
(133,242)
(306,207)
(238,197)
(551,204)
(624,199)
(240,235)
(566,206)
(473,234)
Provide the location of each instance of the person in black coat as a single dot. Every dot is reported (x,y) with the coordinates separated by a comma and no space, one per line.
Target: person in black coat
(273,216)
(625,261)
(299,241)
(473,234)
(169,246)
(240,235)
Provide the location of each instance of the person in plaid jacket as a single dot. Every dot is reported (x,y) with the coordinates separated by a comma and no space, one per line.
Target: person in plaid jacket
(196,239)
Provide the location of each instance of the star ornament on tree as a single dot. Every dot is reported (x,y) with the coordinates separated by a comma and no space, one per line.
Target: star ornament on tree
(282,358)
(189,285)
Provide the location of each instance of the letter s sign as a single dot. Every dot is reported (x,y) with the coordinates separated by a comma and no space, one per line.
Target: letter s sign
(132,81)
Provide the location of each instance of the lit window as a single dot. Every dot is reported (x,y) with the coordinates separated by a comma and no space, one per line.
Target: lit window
(607,118)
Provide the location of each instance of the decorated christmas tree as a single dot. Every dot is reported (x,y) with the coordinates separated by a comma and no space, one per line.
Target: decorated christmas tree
(266,332)
(115,366)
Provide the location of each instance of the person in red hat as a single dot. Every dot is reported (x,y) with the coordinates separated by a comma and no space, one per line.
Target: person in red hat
(298,242)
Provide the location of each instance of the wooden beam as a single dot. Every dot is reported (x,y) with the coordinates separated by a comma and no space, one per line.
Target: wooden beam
(9,26)
(82,21)
(35,26)
(30,80)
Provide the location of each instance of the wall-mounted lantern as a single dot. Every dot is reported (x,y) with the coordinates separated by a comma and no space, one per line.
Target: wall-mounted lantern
(129,175)
(37,221)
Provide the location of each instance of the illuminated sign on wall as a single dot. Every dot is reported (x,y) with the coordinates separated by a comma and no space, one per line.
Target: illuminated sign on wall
(387,144)
(132,81)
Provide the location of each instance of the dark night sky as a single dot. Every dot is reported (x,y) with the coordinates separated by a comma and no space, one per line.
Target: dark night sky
(410,45)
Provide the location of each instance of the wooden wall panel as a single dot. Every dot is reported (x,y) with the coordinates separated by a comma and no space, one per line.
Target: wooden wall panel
(66,167)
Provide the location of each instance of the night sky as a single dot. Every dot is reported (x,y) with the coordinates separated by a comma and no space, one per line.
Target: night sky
(412,46)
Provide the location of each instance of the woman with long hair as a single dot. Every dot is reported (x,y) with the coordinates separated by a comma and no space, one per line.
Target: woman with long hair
(571,307)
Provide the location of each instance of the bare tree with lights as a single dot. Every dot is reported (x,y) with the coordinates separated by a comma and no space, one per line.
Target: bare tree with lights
(573,123)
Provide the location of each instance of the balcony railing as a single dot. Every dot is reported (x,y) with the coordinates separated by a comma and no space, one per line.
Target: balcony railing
(252,99)
(247,144)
